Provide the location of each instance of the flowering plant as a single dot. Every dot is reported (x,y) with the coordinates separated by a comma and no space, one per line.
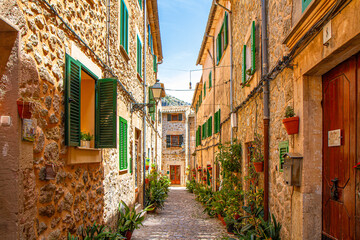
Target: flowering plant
(357,165)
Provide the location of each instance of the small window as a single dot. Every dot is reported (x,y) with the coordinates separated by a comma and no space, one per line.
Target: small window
(139,57)
(90,106)
(210,80)
(174,141)
(222,39)
(124,26)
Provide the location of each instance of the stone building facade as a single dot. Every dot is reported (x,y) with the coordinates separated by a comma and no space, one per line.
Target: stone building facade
(48,187)
(312,50)
(177,122)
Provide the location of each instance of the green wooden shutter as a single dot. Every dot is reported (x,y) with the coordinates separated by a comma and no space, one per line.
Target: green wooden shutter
(140,3)
(181,140)
(139,57)
(208,177)
(106,108)
(218,46)
(72,102)
(180,117)
(123,144)
(124,29)
(151,101)
(283,148)
(253,48)
(244,65)
(210,80)
(210,126)
(155,63)
(168,141)
(204,90)
(305,4)
(226,31)
(216,122)
(169,117)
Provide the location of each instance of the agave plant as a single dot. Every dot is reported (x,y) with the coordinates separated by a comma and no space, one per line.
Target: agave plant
(129,220)
(96,232)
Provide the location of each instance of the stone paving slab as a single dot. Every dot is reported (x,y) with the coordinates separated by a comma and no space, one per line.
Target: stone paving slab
(181,218)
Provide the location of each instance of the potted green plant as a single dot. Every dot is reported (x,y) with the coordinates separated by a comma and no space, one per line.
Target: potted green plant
(257,158)
(129,220)
(86,139)
(291,122)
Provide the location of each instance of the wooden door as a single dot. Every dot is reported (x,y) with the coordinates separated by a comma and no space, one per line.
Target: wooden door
(339,151)
(175,174)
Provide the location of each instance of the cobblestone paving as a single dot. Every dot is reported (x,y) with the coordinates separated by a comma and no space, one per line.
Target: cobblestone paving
(181,218)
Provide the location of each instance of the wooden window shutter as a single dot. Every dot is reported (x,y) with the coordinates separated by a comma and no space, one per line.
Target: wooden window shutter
(226,31)
(218,44)
(283,148)
(253,47)
(305,4)
(124,29)
(180,117)
(72,102)
(106,108)
(204,90)
(155,63)
(139,57)
(151,101)
(140,3)
(181,140)
(216,122)
(168,141)
(169,117)
(244,66)
(210,126)
(210,80)
(123,144)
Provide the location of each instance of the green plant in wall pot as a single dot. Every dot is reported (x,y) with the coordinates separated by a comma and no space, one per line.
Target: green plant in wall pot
(291,122)
(257,157)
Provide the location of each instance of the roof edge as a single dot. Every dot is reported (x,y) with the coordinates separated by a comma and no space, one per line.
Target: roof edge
(155,26)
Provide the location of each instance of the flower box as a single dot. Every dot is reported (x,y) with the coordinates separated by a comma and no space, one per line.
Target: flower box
(291,125)
(259,166)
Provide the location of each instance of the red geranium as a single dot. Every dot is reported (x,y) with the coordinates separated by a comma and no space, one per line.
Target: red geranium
(357,165)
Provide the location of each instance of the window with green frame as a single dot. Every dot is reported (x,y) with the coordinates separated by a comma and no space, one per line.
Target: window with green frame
(139,57)
(150,39)
(155,63)
(283,148)
(124,26)
(210,80)
(305,4)
(217,121)
(249,56)
(104,95)
(152,107)
(222,39)
(140,3)
(204,90)
(123,144)
(209,126)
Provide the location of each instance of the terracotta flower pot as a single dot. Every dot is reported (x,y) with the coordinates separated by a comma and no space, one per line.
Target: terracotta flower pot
(147,181)
(23,109)
(291,125)
(128,235)
(259,166)
(221,218)
(147,167)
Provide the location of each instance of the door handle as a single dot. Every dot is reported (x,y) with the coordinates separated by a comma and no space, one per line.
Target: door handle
(334,189)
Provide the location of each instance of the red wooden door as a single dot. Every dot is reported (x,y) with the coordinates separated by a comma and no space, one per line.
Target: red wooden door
(339,151)
(175,174)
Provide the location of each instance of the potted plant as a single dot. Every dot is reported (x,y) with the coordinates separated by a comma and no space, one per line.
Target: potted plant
(291,122)
(129,220)
(209,167)
(357,166)
(85,139)
(257,157)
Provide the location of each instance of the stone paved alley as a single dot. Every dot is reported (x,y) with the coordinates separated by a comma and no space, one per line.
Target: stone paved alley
(181,218)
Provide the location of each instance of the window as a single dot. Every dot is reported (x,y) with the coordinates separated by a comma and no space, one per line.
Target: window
(217,121)
(150,39)
(222,39)
(124,26)
(155,63)
(174,140)
(198,136)
(209,126)
(174,117)
(90,106)
(283,148)
(305,4)
(140,4)
(249,56)
(123,144)
(210,80)
(139,57)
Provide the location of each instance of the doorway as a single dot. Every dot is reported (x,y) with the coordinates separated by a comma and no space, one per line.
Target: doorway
(340,107)
(175,174)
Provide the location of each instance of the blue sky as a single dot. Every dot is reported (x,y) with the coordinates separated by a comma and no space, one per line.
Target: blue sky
(182,27)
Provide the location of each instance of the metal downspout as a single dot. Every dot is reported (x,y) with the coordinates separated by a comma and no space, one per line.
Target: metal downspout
(144,109)
(264,51)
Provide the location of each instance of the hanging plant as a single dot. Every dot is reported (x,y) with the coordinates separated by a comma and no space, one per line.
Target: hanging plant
(230,157)
(257,157)
(357,166)
(291,122)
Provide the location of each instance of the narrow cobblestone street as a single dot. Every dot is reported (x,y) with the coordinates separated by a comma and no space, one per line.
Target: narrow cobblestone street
(181,218)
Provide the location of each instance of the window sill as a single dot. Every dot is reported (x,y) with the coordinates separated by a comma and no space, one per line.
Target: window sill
(124,53)
(81,155)
(122,172)
(314,12)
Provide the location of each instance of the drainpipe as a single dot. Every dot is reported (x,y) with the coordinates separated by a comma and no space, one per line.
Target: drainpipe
(144,109)
(231,64)
(264,51)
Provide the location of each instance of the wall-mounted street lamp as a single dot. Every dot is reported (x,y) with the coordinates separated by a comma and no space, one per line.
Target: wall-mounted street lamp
(158,92)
